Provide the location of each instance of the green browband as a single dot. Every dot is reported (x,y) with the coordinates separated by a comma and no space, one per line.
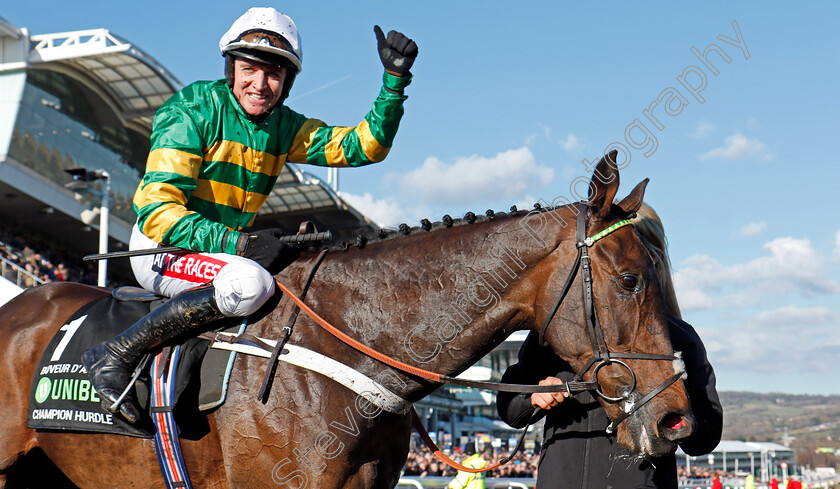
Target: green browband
(606,232)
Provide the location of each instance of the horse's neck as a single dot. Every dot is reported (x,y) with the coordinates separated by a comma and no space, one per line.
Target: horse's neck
(440,300)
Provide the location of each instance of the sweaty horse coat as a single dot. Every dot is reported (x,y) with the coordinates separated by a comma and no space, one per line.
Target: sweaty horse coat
(440,299)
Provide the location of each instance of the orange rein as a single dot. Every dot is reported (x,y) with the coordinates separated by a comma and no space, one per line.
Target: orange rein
(418,425)
(426,374)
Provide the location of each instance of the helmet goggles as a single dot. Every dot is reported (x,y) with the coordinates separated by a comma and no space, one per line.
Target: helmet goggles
(264,38)
(265,35)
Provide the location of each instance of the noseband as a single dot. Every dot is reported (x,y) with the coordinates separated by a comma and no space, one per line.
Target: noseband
(602,356)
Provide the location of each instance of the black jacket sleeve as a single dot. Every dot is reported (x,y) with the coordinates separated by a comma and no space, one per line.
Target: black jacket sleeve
(700,385)
(532,367)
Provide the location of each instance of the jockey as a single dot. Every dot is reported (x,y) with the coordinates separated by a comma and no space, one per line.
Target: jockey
(217,148)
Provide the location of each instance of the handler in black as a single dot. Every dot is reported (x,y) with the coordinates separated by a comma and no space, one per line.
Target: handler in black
(576,451)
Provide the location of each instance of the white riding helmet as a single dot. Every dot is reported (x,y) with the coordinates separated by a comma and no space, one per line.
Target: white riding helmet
(265,35)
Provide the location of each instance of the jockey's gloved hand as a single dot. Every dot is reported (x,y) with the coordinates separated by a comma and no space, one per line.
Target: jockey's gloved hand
(397,51)
(265,248)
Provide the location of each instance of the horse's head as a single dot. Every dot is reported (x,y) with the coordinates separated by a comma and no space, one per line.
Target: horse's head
(624,346)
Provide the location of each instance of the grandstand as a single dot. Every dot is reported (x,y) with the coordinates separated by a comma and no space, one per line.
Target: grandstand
(762,459)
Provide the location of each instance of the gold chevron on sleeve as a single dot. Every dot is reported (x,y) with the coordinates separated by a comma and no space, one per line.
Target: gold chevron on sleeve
(159,192)
(170,160)
(162,219)
(333,150)
(370,146)
(303,139)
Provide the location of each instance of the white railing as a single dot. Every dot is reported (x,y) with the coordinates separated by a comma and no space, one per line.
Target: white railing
(410,482)
(90,37)
(16,274)
(64,45)
(436,482)
(736,483)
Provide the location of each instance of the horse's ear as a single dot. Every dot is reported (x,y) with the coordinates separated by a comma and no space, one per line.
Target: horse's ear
(633,201)
(604,185)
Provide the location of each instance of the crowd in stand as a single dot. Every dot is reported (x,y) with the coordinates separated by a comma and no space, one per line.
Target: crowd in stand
(731,479)
(422,463)
(700,473)
(45,266)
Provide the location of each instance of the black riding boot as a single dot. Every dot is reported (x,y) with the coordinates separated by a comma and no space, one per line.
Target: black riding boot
(111,364)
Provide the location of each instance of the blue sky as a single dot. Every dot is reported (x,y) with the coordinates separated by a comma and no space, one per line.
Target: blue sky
(510,97)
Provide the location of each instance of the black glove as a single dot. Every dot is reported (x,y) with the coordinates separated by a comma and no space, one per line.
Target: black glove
(397,52)
(265,248)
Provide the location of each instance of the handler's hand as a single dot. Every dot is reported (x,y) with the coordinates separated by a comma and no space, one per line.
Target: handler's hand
(548,400)
(397,51)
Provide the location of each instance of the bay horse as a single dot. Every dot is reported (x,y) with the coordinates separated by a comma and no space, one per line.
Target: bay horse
(437,298)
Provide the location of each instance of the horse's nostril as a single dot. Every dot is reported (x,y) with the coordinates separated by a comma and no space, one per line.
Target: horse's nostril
(674,426)
(674,422)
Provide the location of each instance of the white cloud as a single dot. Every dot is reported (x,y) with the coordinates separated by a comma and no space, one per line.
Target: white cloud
(792,265)
(571,143)
(384,212)
(754,228)
(693,299)
(476,179)
(544,132)
(526,202)
(703,129)
(788,339)
(739,147)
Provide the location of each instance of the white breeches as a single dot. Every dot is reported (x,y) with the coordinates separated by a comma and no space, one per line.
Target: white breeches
(242,285)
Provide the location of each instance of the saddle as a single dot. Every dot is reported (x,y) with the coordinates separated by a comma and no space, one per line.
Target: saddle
(62,397)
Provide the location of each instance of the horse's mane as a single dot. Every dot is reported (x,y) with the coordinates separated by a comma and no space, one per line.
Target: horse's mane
(403,230)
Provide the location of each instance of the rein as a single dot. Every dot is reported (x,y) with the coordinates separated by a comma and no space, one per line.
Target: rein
(602,356)
(571,387)
(418,425)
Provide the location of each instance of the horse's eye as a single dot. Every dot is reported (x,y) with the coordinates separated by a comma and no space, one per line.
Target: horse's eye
(628,281)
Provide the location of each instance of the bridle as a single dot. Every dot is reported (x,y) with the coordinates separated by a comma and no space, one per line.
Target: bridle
(601,354)
(601,357)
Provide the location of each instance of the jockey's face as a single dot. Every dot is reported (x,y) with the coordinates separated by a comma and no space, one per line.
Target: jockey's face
(257,86)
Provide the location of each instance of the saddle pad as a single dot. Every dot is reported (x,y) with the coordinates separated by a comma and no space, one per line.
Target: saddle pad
(62,397)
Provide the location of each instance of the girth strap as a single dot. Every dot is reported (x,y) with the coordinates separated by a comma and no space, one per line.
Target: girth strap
(287,331)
